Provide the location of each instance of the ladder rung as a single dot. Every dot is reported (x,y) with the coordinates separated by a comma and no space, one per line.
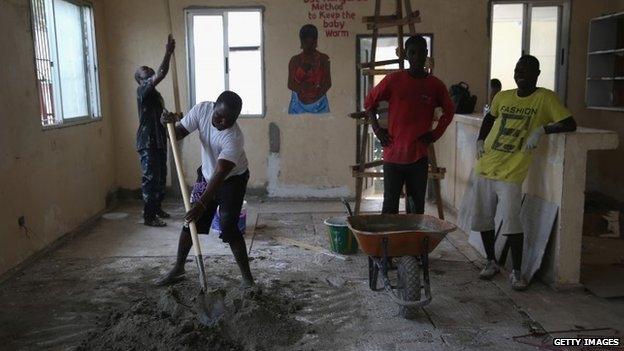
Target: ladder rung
(379,63)
(362,114)
(356,174)
(379,72)
(380,19)
(407,20)
(368,174)
(440,170)
(368,165)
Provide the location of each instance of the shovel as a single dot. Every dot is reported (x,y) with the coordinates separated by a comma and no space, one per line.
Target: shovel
(210,306)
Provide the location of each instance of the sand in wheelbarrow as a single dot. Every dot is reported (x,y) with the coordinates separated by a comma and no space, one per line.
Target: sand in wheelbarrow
(253,320)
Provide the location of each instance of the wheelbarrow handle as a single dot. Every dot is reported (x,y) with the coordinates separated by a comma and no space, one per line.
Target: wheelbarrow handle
(347,206)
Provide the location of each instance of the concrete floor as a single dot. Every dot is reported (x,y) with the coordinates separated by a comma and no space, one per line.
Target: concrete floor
(55,302)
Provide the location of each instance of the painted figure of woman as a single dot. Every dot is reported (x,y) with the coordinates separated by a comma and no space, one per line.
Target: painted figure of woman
(309,75)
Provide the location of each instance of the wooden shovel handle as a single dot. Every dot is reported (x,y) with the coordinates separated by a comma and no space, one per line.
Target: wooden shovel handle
(183,188)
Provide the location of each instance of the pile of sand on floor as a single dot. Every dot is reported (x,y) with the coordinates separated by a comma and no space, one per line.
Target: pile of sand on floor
(252,320)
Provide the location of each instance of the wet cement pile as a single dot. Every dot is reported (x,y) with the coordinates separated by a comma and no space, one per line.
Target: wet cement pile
(252,320)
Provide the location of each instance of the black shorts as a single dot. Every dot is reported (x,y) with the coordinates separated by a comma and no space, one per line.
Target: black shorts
(229,199)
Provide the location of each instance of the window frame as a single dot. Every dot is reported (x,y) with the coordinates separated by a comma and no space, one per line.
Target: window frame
(563,37)
(90,54)
(189,13)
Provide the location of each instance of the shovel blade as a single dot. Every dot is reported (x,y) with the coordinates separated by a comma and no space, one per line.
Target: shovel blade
(210,307)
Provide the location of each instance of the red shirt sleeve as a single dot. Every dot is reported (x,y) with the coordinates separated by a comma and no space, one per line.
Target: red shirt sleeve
(448,109)
(381,92)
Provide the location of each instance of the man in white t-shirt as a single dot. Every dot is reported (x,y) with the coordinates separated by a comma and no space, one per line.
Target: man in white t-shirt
(221,179)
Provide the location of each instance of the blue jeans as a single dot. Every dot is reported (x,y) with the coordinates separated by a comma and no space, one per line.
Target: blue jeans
(154,179)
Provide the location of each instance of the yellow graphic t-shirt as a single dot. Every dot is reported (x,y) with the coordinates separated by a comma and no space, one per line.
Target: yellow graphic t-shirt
(516,117)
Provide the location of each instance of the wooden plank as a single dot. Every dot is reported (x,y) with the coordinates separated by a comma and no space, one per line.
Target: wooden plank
(363,145)
(369,164)
(358,174)
(436,182)
(436,176)
(375,34)
(378,63)
(437,169)
(379,19)
(414,18)
(359,186)
(390,18)
(408,9)
(401,51)
(379,72)
(359,183)
(362,114)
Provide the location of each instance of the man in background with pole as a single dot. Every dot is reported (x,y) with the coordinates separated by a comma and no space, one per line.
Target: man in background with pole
(151,139)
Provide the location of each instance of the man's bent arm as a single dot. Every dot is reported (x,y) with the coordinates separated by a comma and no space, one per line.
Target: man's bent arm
(448,112)
(170,117)
(486,126)
(563,126)
(180,131)
(371,117)
(224,167)
(164,66)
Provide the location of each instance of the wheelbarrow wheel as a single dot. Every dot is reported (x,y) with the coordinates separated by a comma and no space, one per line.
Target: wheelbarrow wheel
(408,273)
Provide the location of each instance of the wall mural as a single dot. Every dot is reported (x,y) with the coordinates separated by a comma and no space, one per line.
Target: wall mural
(309,76)
(333,14)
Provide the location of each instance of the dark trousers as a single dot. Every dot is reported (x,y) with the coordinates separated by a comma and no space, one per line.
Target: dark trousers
(414,177)
(229,198)
(154,179)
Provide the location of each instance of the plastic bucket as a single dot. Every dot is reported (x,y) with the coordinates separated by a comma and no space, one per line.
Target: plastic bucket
(242,220)
(341,240)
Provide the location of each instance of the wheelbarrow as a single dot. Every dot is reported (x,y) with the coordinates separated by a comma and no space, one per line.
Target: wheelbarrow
(402,242)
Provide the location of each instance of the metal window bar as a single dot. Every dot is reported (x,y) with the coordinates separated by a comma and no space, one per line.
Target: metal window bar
(43,63)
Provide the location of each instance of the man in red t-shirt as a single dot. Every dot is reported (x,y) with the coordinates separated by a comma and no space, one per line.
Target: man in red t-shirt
(412,96)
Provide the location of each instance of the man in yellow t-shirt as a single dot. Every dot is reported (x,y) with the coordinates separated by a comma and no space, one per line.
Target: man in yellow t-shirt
(508,135)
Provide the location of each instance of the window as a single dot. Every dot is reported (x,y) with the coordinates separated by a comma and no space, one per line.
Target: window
(65,61)
(538,28)
(226,53)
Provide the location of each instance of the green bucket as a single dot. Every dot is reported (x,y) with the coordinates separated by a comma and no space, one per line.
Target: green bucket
(341,240)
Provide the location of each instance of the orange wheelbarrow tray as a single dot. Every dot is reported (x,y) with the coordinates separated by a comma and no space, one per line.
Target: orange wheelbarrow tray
(402,242)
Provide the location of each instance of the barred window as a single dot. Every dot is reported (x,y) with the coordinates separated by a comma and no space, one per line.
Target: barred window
(66,61)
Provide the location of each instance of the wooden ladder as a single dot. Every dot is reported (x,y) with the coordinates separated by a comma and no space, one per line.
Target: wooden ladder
(362,169)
